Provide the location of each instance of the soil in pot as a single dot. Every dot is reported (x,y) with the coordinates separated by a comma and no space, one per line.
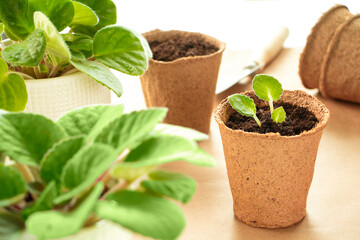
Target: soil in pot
(174,48)
(298,119)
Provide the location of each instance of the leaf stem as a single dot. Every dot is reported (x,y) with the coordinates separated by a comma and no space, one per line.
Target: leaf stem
(54,71)
(25,171)
(37,72)
(257,120)
(271,104)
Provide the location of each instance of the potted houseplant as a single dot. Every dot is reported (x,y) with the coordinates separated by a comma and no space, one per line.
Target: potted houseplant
(94,163)
(270,151)
(59,53)
(182,76)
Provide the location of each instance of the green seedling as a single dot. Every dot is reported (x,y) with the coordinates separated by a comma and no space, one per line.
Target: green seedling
(266,88)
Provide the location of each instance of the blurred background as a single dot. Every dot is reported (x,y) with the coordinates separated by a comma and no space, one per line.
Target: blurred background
(242,24)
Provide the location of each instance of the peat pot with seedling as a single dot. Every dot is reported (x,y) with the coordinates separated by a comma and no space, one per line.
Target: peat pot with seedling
(93,172)
(270,139)
(57,54)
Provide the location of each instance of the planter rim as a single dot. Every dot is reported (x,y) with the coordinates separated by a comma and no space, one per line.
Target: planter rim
(318,127)
(219,44)
(310,39)
(70,75)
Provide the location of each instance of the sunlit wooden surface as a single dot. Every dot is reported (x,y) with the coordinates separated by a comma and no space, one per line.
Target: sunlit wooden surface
(333,210)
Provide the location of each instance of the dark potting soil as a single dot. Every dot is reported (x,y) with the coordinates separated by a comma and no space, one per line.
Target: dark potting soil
(175,48)
(298,119)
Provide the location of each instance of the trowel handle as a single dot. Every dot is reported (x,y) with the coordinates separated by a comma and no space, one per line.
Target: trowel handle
(273,45)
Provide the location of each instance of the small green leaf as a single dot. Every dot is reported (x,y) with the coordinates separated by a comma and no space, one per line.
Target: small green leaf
(55,45)
(121,49)
(267,87)
(25,137)
(53,224)
(11,226)
(1,28)
(278,115)
(201,158)
(13,94)
(28,53)
(104,9)
(89,120)
(43,203)
(84,15)
(124,131)
(174,185)
(56,158)
(9,34)
(100,73)
(60,12)
(151,216)
(16,17)
(243,104)
(84,168)
(13,185)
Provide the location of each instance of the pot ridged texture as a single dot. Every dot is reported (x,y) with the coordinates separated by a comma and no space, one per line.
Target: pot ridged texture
(270,175)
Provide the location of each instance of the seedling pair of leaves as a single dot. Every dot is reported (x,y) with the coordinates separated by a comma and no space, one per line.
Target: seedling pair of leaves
(67,162)
(266,88)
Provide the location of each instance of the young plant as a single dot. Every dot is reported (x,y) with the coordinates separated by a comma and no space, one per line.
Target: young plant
(94,163)
(266,88)
(50,38)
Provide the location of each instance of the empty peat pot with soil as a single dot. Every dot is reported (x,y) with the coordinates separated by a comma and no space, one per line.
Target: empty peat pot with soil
(182,76)
(270,151)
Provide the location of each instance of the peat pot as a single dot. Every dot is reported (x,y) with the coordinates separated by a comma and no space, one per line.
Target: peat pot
(269,174)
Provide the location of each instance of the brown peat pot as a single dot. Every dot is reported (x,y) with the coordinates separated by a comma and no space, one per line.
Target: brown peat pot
(269,174)
(186,86)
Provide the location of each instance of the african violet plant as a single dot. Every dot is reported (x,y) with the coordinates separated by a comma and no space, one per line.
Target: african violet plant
(266,88)
(51,38)
(94,163)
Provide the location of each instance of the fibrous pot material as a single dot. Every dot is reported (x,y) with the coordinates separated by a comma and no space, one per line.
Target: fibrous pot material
(270,175)
(186,86)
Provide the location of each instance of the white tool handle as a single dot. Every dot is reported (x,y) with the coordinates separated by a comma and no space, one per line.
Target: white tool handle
(272,46)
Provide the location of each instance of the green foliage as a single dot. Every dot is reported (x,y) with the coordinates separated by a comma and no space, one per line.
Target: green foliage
(28,53)
(11,225)
(63,161)
(266,88)
(13,185)
(149,215)
(174,185)
(91,46)
(13,95)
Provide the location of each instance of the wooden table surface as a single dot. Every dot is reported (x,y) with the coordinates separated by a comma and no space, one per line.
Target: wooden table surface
(333,208)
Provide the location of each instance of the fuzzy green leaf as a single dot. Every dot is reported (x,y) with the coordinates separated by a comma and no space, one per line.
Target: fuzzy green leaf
(124,131)
(13,185)
(89,120)
(60,12)
(100,73)
(167,129)
(53,224)
(278,115)
(1,28)
(151,216)
(267,87)
(13,94)
(163,149)
(119,48)
(104,9)
(43,203)
(10,35)
(82,170)
(16,17)
(243,104)
(55,45)
(56,158)
(129,172)
(174,185)
(25,137)
(84,15)
(28,53)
